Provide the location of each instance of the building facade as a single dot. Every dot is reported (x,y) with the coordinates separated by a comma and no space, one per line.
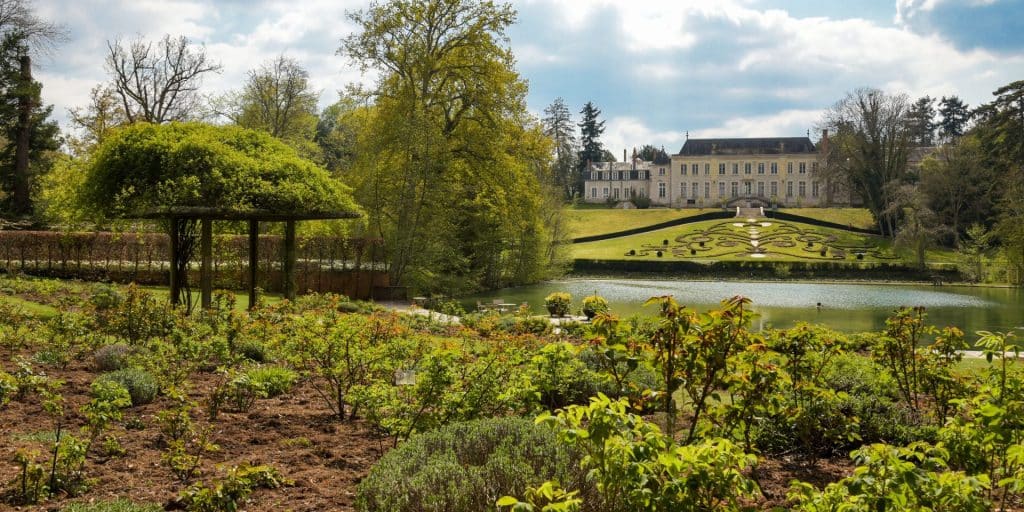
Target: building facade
(782,171)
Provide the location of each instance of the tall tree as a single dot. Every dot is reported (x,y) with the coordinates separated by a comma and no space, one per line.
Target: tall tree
(920,121)
(337,133)
(955,116)
(449,163)
(559,128)
(921,227)
(277,98)
(95,121)
(958,185)
(591,149)
(22,116)
(650,153)
(870,148)
(158,82)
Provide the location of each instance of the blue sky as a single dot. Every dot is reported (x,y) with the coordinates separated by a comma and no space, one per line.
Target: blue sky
(656,68)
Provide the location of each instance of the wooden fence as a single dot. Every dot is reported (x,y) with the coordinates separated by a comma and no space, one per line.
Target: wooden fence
(351,266)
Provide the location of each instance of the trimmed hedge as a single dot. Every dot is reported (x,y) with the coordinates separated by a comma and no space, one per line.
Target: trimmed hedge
(768,269)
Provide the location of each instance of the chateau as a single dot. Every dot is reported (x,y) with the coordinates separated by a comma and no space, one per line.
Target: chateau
(781,171)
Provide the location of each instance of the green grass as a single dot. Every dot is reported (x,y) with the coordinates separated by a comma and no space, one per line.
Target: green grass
(853,217)
(32,308)
(783,241)
(589,222)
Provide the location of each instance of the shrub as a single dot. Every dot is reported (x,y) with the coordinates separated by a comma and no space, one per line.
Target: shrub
(558,303)
(468,466)
(140,384)
(252,350)
(594,304)
(112,357)
(225,494)
(274,380)
(8,387)
(118,505)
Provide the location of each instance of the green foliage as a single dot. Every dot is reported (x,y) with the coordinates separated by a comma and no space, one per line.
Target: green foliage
(146,166)
(555,378)
(140,384)
(236,390)
(134,315)
(636,467)
(8,388)
(29,486)
(226,494)
(558,303)
(468,467)
(108,398)
(594,304)
(117,505)
(273,380)
(893,478)
(112,357)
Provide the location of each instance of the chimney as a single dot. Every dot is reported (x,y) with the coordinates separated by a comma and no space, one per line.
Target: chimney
(824,141)
(624,160)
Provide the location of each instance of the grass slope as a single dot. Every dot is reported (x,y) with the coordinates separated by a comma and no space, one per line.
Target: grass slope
(589,222)
(853,217)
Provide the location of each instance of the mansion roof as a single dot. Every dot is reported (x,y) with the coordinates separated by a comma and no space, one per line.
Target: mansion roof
(752,146)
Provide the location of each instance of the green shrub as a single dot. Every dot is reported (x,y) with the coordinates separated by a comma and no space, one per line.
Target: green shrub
(594,304)
(118,505)
(8,387)
(140,384)
(112,357)
(225,494)
(252,350)
(467,467)
(274,380)
(558,303)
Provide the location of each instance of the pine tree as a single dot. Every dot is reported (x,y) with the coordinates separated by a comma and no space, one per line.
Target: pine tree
(921,121)
(591,149)
(559,128)
(955,116)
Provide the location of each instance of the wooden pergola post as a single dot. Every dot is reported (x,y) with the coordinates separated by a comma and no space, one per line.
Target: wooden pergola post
(206,266)
(254,236)
(175,279)
(289,260)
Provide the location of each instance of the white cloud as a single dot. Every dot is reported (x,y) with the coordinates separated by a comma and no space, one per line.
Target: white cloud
(788,123)
(630,132)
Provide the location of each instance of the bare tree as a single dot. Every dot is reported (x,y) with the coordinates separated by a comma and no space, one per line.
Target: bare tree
(158,82)
(39,36)
(277,98)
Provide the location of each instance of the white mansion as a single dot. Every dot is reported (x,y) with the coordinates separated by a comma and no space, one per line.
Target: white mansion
(719,172)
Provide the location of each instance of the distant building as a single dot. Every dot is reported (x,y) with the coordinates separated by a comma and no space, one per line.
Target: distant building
(782,171)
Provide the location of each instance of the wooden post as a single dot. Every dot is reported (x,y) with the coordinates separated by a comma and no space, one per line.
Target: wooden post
(206,268)
(175,280)
(289,260)
(254,236)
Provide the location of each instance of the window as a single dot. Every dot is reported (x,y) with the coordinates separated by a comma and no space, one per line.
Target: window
(789,167)
(735,168)
(694,190)
(661,171)
(760,167)
(593,192)
(721,168)
(707,190)
(789,189)
(814,166)
(707,169)
(682,169)
(760,189)
(693,169)
(746,188)
(814,189)
(682,190)
(803,189)
(605,192)
(735,189)
(615,193)
(721,188)
(775,168)
(775,189)
(746,168)
(803,167)
(661,190)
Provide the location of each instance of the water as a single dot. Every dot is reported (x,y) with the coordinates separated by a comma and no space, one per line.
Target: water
(845,307)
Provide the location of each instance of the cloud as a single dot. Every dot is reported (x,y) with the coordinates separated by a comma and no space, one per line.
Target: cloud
(631,132)
(788,123)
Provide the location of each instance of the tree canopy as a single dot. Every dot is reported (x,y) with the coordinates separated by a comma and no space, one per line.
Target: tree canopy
(146,167)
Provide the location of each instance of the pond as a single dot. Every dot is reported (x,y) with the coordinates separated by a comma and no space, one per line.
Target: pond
(844,307)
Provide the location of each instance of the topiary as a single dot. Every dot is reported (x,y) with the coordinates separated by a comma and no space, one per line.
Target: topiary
(140,384)
(468,466)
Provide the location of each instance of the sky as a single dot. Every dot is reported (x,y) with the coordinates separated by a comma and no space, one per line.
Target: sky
(657,69)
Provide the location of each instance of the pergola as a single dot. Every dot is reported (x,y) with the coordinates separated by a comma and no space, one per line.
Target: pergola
(206,216)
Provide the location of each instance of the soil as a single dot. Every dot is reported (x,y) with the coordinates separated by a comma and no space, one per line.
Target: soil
(325,457)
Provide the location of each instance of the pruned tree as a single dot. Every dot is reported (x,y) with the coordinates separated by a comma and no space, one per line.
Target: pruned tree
(870,149)
(558,126)
(158,82)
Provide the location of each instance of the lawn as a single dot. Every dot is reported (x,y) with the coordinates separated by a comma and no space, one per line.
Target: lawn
(592,221)
(853,217)
(735,240)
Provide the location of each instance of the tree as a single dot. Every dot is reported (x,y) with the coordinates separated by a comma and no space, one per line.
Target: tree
(973,249)
(955,116)
(95,121)
(449,166)
(958,185)
(337,133)
(277,98)
(591,149)
(921,121)
(870,149)
(22,115)
(158,83)
(921,227)
(559,128)
(650,153)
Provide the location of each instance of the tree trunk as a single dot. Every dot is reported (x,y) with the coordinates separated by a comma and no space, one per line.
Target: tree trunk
(22,201)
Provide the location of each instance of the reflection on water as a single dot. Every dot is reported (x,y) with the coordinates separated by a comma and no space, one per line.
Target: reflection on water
(845,307)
